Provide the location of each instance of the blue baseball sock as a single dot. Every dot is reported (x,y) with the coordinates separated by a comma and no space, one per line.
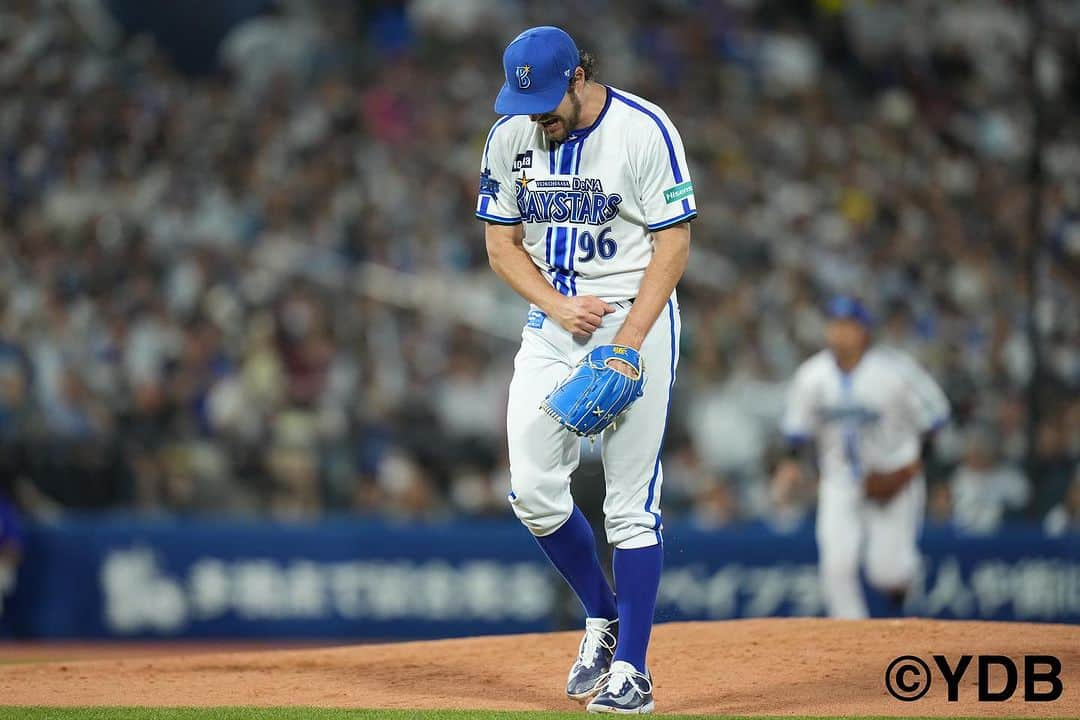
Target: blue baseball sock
(637,580)
(572,550)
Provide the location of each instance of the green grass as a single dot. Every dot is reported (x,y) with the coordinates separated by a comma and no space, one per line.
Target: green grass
(298,713)
(30,661)
(303,713)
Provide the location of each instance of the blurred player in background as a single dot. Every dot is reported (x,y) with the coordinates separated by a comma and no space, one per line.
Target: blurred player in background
(10,540)
(868,412)
(14,459)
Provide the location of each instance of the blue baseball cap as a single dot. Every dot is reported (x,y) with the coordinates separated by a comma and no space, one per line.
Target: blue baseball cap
(538,64)
(845,307)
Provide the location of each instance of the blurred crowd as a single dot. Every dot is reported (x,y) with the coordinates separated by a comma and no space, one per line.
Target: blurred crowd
(260,290)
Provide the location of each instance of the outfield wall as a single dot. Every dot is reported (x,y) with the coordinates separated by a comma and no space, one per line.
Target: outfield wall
(352,579)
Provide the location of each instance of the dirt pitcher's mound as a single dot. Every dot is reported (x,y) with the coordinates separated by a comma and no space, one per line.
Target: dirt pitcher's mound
(747,667)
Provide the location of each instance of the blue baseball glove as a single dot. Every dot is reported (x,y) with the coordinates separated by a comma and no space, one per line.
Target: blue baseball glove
(595,394)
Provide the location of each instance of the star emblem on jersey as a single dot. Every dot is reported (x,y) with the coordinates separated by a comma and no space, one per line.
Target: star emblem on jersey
(574,200)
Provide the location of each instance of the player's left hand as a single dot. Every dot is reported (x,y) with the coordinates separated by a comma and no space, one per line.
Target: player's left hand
(628,336)
(623,368)
(883,486)
(596,393)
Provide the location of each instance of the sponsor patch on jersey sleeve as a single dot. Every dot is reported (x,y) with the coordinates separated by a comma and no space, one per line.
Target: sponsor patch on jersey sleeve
(488,184)
(678,192)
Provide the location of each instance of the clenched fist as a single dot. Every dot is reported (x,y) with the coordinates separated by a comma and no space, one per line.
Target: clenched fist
(581,315)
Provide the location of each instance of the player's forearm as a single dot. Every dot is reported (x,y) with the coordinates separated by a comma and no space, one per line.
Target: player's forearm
(670,254)
(513,265)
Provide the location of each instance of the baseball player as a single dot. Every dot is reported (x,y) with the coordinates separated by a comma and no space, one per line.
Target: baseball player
(10,546)
(587,199)
(12,463)
(868,411)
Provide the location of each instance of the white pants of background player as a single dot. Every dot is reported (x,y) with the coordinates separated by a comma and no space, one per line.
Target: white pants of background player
(543,454)
(853,531)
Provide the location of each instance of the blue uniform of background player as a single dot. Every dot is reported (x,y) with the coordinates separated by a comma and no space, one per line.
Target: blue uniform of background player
(11,539)
(588,199)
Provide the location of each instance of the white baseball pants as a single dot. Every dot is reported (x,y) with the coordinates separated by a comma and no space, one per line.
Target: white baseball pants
(543,454)
(854,531)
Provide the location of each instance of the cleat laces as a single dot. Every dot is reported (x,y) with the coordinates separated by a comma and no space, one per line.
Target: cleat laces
(595,638)
(617,678)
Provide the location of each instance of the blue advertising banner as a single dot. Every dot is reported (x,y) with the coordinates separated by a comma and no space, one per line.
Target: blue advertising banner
(337,579)
(1017,574)
(348,579)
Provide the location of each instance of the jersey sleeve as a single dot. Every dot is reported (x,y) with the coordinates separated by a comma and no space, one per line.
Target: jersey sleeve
(924,399)
(667,192)
(496,201)
(800,411)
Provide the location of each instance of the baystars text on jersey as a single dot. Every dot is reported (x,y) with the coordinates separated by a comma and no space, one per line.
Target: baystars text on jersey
(574,200)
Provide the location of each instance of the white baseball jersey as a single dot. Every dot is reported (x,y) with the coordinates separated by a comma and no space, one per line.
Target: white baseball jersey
(589,204)
(868,420)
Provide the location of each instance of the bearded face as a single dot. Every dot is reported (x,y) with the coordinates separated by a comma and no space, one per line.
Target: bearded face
(559,123)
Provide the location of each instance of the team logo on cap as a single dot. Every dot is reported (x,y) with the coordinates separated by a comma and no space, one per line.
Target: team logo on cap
(524,81)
